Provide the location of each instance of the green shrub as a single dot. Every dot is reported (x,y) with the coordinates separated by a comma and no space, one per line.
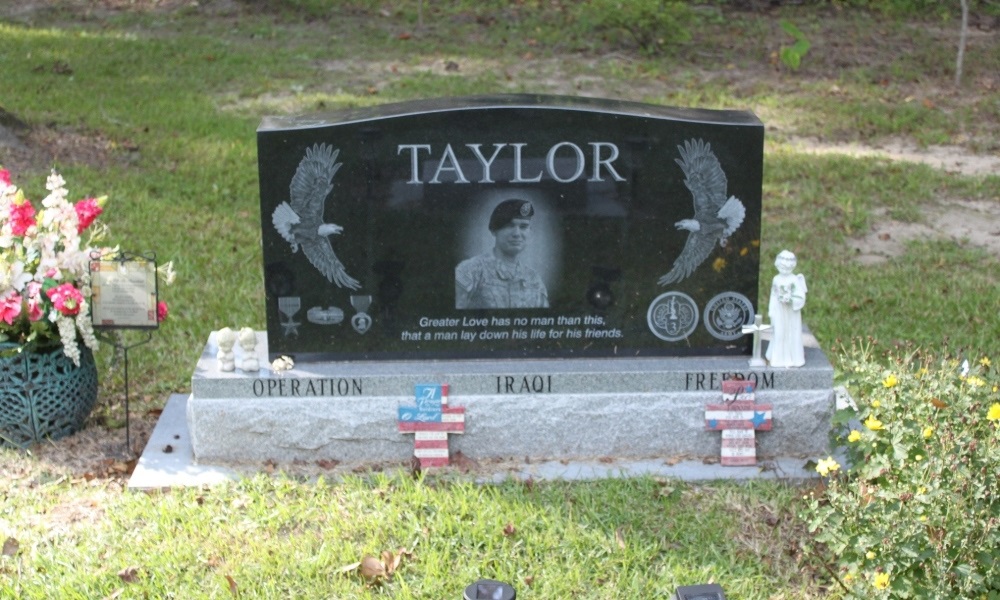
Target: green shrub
(652,24)
(917,515)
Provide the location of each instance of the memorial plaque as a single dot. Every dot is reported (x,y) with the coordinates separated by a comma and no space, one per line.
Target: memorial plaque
(511,226)
(124,292)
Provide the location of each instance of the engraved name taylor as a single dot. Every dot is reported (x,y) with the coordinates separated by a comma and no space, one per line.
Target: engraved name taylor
(565,162)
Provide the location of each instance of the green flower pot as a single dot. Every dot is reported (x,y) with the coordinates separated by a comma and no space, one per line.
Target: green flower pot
(43,395)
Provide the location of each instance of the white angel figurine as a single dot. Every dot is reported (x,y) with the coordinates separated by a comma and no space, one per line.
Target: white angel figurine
(248,342)
(788,296)
(226,338)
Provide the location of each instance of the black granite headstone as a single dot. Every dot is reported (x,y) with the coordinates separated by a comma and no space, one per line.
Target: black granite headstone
(510,226)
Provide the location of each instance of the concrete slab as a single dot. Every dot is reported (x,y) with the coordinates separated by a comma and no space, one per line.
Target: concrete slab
(168,459)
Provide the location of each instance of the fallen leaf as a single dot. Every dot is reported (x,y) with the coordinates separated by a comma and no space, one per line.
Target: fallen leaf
(10,547)
(372,568)
(233,589)
(350,568)
(528,580)
(606,460)
(129,574)
(463,463)
(404,36)
(509,529)
(938,404)
(327,464)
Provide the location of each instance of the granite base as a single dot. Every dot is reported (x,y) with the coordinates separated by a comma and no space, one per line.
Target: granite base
(625,408)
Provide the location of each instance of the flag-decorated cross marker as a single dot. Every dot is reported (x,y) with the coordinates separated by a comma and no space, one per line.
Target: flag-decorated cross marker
(738,417)
(431,420)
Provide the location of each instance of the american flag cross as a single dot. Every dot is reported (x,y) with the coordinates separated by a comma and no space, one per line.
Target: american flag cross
(738,417)
(431,420)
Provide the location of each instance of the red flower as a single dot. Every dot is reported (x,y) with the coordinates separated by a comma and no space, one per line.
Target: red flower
(10,308)
(86,211)
(22,216)
(161,311)
(66,299)
(5,176)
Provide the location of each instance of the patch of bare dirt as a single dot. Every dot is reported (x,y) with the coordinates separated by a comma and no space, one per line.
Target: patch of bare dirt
(963,221)
(98,452)
(952,159)
(26,148)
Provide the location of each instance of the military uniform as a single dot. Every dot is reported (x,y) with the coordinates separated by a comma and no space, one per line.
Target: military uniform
(486,282)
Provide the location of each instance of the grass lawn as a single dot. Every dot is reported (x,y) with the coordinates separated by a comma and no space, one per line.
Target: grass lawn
(156,103)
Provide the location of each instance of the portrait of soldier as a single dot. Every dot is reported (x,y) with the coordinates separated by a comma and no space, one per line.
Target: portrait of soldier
(498,278)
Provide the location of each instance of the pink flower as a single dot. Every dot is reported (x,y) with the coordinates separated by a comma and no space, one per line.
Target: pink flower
(86,211)
(35,312)
(22,216)
(161,311)
(5,176)
(10,308)
(66,299)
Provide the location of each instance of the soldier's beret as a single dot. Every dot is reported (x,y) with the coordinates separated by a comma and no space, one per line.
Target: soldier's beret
(509,210)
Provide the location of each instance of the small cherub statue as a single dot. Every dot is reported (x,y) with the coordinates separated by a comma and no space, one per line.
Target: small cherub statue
(248,342)
(226,338)
(788,296)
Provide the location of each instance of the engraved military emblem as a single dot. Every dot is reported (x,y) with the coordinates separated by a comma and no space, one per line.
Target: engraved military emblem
(672,316)
(726,314)
(362,321)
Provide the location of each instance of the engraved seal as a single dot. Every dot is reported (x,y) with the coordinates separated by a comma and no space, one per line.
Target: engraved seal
(672,316)
(726,314)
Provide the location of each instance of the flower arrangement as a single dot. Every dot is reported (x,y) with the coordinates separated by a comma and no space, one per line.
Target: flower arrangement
(45,254)
(916,512)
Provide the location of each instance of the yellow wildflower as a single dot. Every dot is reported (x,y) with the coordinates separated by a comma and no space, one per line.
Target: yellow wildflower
(826,466)
(719,264)
(985,361)
(918,457)
(875,425)
(881,581)
(975,381)
(994,412)
(890,381)
(921,490)
(876,404)
(870,555)
(923,371)
(928,431)
(854,436)
(848,578)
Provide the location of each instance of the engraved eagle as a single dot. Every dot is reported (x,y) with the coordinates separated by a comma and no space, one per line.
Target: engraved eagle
(716,217)
(301,222)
